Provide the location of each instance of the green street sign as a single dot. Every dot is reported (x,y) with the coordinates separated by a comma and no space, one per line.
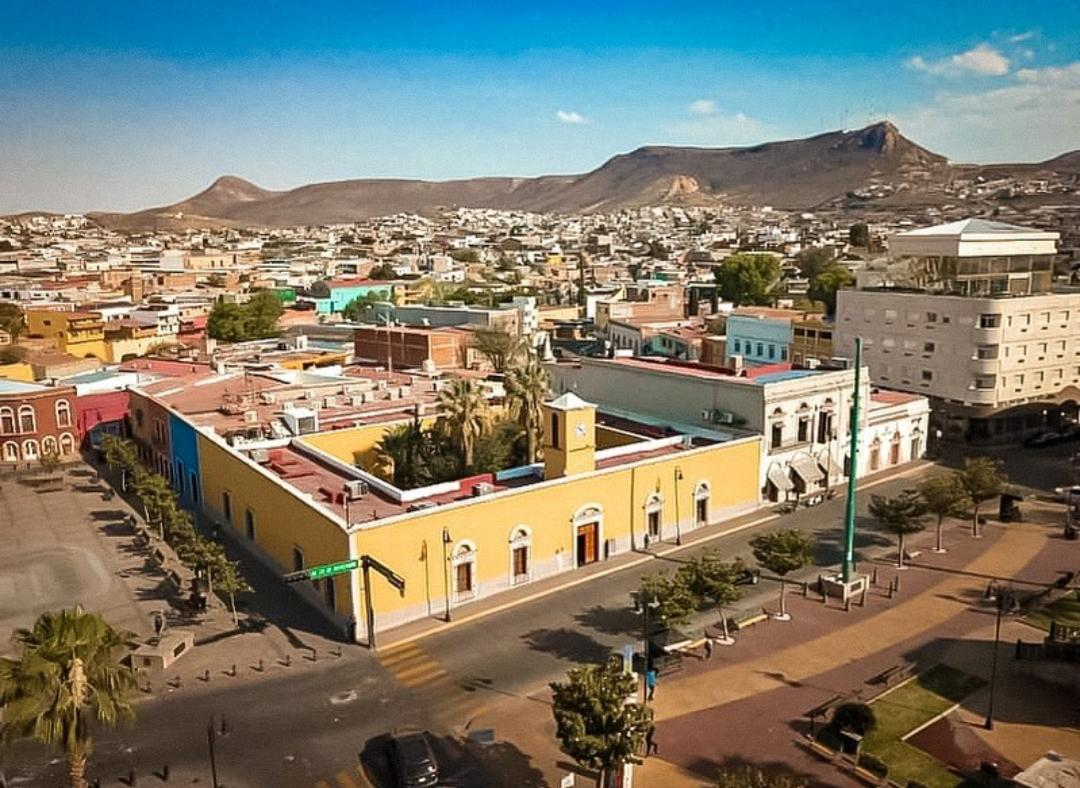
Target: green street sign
(329,570)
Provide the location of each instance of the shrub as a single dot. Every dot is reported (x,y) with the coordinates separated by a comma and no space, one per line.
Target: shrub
(873,764)
(830,739)
(916,784)
(853,716)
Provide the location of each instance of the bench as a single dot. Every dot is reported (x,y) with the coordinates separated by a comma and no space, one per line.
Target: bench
(895,673)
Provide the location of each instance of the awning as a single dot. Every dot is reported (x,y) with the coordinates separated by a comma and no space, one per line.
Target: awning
(780,479)
(808,470)
(830,466)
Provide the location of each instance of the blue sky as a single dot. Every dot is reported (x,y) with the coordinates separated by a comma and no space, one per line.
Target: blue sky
(122,105)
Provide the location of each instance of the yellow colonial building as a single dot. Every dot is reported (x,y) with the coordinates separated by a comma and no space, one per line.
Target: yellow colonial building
(303,494)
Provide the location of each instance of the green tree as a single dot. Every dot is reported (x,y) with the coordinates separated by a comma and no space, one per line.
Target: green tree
(226,322)
(595,723)
(359,309)
(495,448)
(401,447)
(498,346)
(859,235)
(782,552)
(853,716)
(463,415)
(667,596)
(710,577)
(814,261)
(748,279)
(754,777)
(261,315)
(230,581)
(942,498)
(825,286)
(11,319)
(465,255)
(980,479)
(900,515)
(121,454)
(50,462)
(527,386)
(383,272)
(67,674)
(156,496)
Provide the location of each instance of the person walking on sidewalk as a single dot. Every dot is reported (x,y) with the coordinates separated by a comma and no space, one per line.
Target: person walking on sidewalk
(708,648)
(651,678)
(650,742)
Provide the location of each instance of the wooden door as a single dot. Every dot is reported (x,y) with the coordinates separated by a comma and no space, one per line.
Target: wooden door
(587,543)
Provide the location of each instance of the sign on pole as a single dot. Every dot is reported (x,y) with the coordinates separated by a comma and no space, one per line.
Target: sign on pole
(329,570)
(567,781)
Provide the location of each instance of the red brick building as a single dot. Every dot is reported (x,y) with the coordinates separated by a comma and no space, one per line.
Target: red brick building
(36,420)
(408,347)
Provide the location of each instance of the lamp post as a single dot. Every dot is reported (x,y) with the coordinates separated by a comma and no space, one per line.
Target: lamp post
(1002,597)
(211,738)
(646,656)
(446,540)
(678,523)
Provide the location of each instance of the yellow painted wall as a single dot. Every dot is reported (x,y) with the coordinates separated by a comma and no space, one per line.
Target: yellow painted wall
(357,444)
(18,371)
(283,519)
(548,509)
(607,438)
(118,348)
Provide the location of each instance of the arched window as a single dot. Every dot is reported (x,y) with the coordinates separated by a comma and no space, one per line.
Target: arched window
(702,493)
(803,434)
(7,421)
(27,419)
(67,443)
(776,435)
(463,560)
(30,450)
(894,449)
(11,451)
(654,514)
(63,413)
(875,454)
(48,445)
(520,555)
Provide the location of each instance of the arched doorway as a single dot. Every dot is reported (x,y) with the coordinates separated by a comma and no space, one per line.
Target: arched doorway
(463,562)
(588,535)
(875,454)
(654,512)
(520,555)
(702,494)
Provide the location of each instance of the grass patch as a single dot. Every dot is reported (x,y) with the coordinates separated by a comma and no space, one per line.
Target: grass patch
(1065,610)
(908,707)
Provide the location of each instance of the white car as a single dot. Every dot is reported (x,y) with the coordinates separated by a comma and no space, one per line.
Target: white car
(1068,494)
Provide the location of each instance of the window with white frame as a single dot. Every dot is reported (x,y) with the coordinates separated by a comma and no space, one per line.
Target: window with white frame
(63,413)
(463,561)
(7,421)
(520,555)
(27,419)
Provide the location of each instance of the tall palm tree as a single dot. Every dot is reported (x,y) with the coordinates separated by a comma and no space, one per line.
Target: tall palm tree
(527,385)
(68,673)
(464,415)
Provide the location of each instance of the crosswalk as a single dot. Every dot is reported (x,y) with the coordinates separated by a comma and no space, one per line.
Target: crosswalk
(354,779)
(447,698)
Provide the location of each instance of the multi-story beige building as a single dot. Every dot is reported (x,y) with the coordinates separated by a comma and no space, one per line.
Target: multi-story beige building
(995,365)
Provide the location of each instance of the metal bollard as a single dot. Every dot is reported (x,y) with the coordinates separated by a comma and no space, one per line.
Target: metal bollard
(206,675)
(233,674)
(260,667)
(873,577)
(131,777)
(288,660)
(314,655)
(165,773)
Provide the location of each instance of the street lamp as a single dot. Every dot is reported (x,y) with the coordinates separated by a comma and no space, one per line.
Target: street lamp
(646,657)
(678,525)
(1003,598)
(446,541)
(212,729)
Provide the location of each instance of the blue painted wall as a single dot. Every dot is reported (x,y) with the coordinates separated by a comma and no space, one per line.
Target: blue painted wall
(185,459)
(759,340)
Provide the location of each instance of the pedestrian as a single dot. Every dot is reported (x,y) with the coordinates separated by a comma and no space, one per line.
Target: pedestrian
(708,648)
(646,543)
(650,682)
(650,741)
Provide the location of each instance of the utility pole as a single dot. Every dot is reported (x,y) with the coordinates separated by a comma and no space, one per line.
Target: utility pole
(847,569)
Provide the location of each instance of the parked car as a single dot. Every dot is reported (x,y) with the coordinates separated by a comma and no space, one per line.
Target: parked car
(413,761)
(1068,494)
(1043,439)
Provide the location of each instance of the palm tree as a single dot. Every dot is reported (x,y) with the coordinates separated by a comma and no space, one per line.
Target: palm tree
(527,385)
(464,414)
(68,673)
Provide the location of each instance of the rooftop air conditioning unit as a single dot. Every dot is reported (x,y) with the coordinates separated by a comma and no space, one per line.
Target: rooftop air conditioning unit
(251,417)
(356,489)
(267,398)
(405,391)
(288,405)
(357,400)
(368,396)
(329,402)
(483,488)
(811,363)
(261,456)
(382,384)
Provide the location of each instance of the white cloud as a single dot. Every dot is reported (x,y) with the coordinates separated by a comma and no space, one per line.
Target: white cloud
(1032,118)
(982,60)
(571,118)
(703,107)
(720,128)
(1021,37)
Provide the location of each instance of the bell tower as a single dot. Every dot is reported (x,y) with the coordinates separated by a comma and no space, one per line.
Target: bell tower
(569,436)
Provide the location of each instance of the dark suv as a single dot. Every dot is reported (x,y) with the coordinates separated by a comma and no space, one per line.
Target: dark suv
(413,761)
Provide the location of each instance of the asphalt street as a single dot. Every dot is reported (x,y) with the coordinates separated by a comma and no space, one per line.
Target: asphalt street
(302,728)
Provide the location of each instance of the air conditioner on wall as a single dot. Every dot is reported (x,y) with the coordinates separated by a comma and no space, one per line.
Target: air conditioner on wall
(483,488)
(356,489)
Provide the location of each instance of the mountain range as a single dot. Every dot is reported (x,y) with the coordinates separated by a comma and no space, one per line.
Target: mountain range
(797,174)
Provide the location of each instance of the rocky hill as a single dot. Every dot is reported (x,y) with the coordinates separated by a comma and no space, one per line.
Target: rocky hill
(793,174)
